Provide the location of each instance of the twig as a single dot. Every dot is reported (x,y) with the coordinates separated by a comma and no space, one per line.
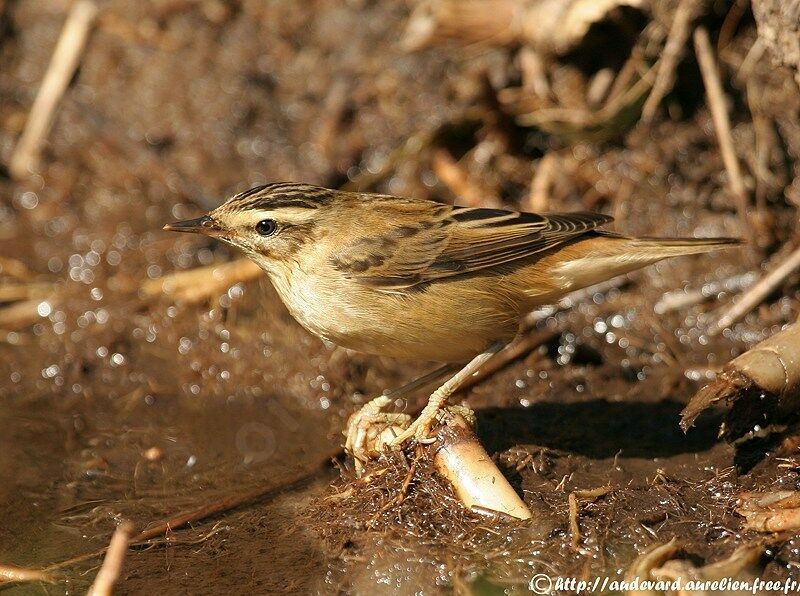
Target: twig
(15,268)
(770,512)
(112,564)
(201,513)
(457,180)
(195,285)
(722,123)
(331,117)
(539,198)
(223,505)
(680,299)
(731,22)
(625,75)
(534,73)
(757,293)
(21,314)
(673,51)
(403,492)
(12,573)
(63,64)
(572,499)
(655,556)
(574,526)
(350,490)
(599,86)
(754,54)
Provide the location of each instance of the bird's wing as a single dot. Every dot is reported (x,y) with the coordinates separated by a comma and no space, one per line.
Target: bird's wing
(452,241)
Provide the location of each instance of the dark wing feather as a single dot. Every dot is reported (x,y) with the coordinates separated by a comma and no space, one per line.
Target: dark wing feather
(457,241)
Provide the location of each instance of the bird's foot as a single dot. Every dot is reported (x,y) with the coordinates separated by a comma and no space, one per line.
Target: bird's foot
(420,429)
(371,429)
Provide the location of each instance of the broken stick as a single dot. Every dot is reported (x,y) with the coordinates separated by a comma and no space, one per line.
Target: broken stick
(722,123)
(756,294)
(771,367)
(63,64)
(477,481)
(199,284)
(111,568)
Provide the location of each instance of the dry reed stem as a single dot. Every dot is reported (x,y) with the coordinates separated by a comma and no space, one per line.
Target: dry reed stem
(652,558)
(574,513)
(682,570)
(599,87)
(772,366)
(199,284)
(15,268)
(478,483)
(673,51)
(13,574)
(680,299)
(770,512)
(25,291)
(539,197)
(722,124)
(534,72)
(495,22)
(550,26)
(111,568)
(626,74)
(757,292)
(64,62)
(457,180)
(21,314)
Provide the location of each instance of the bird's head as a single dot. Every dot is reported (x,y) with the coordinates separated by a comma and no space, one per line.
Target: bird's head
(269,223)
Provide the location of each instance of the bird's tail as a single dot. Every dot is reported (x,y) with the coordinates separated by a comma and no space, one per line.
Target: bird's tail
(601,256)
(662,248)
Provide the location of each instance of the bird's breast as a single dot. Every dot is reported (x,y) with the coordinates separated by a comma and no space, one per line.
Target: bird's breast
(443,323)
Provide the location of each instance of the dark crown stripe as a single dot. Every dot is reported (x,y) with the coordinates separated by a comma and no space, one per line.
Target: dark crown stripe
(283,194)
(252,191)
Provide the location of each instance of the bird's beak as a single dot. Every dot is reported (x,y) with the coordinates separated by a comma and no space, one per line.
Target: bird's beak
(202,225)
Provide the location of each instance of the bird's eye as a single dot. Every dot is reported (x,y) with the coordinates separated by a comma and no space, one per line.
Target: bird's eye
(267,227)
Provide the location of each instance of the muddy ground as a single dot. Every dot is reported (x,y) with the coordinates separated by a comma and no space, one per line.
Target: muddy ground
(119,406)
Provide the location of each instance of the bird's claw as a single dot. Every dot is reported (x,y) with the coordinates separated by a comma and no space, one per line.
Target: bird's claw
(371,429)
(417,430)
(420,429)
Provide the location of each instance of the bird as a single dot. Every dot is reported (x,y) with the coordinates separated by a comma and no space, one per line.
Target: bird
(418,279)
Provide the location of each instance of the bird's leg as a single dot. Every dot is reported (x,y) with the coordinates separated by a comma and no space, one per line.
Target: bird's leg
(438,400)
(370,420)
